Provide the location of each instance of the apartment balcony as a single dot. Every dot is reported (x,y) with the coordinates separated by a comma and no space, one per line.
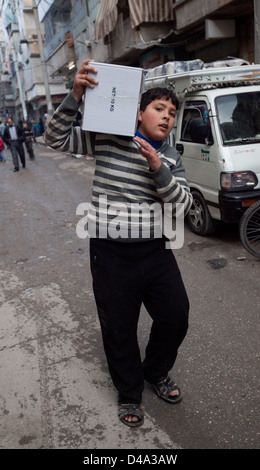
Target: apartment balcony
(215,29)
(38,91)
(59,53)
(125,44)
(129,28)
(56,41)
(190,13)
(9,97)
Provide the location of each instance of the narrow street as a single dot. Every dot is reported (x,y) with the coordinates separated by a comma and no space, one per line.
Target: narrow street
(55,391)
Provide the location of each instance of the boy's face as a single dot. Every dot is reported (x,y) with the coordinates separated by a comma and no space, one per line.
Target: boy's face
(157,120)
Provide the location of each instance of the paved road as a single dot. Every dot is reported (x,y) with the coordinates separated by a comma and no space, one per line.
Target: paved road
(55,389)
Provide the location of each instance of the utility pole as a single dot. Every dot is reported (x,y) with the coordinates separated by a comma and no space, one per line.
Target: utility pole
(17,71)
(43,63)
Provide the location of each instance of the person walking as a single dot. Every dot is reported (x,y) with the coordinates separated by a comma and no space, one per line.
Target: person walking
(14,138)
(132,266)
(28,136)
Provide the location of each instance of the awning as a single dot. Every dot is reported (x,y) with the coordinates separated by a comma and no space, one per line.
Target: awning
(106,18)
(153,11)
(141,11)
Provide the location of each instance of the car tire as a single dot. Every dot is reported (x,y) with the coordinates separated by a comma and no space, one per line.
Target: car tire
(199,218)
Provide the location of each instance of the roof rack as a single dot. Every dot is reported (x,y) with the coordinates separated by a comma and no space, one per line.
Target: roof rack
(205,79)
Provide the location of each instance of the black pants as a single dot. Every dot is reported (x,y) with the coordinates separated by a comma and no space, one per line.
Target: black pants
(29,148)
(125,275)
(16,149)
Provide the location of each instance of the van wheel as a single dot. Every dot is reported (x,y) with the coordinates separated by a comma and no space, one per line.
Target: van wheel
(199,218)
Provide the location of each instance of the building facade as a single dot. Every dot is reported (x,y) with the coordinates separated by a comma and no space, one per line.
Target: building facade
(142,33)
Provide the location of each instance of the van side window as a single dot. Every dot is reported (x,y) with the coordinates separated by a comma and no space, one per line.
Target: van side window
(196,124)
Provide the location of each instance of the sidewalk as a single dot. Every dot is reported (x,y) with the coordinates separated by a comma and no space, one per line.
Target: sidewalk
(40,140)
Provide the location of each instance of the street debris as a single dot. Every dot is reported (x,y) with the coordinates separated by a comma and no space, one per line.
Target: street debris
(217,263)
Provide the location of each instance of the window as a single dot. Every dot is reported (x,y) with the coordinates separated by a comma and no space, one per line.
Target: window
(195,123)
(239,117)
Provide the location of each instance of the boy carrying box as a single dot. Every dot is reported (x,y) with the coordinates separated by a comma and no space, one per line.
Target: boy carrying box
(132,266)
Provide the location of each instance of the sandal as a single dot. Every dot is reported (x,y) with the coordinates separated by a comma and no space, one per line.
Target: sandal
(131,409)
(164,387)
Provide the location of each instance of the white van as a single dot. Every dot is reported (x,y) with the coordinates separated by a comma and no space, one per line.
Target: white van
(217,132)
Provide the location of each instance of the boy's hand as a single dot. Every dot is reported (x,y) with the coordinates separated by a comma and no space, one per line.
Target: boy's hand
(83,80)
(149,153)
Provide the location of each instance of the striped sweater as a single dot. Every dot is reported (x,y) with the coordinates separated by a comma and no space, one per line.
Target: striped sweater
(129,201)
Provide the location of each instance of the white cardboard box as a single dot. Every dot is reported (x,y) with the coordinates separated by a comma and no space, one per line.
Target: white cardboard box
(112,106)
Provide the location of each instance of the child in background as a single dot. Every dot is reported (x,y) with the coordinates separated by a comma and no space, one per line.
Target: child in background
(28,134)
(2,156)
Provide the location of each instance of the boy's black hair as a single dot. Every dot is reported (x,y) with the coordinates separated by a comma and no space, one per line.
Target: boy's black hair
(157,94)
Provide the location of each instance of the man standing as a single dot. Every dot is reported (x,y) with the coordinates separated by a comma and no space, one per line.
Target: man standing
(13,137)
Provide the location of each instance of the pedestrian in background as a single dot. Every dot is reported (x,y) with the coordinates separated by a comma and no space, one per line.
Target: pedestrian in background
(47,119)
(41,125)
(2,128)
(2,155)
(37,129)
(28,136)
(14,138)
